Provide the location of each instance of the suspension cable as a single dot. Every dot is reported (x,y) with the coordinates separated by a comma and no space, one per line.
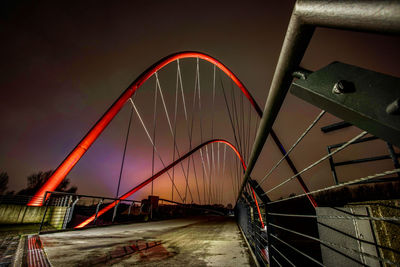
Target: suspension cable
(248,135)
(293,146)
(298,251)
(197,90)
(171,130)
(223,168)
(179,81)
(229,112)
(242,126)
(233,181)
(154,134)
(179,74)
(280,265)
(174,137)
(333,244)
(124,153)
(283,256)
(339,185)
(355,216)
(318,161)
(151,141)
(235,117)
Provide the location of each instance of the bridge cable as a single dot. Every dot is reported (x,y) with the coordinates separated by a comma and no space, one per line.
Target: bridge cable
(151,141)
(325,242)
(191,134)
(170,128)
(179,74)
(197,85)
(154,134)
(318,161)
(232,121)
(174,137)
(124,153)
(219,173)
(248,135)
(293,146)
(223,162)
(212,121)
(197,90)
(242,127)
(283,256)
(201,130)
(236,126)
(232,180)
(230,114)
(298,251)
(355,216)
(235,116)
(359,180)
(174,133)
(279,264)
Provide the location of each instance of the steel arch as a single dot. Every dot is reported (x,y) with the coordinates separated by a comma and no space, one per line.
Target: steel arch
(158,174)
(74,156)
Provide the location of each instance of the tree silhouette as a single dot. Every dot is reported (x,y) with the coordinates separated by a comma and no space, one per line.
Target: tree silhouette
(36,181)
(3,182)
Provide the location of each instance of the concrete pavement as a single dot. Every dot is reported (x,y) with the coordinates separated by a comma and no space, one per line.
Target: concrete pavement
(200,241)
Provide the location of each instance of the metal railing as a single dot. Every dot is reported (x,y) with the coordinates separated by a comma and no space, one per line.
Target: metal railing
(67,210)
(297,234)
(62,210)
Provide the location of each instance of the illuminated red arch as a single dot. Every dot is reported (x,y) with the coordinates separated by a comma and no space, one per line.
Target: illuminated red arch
(69,162)
(158,174)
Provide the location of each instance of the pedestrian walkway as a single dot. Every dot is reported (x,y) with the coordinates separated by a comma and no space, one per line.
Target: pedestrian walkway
(201,241)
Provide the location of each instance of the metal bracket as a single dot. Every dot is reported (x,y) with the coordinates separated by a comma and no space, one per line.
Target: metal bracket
(259,191)
(361,97)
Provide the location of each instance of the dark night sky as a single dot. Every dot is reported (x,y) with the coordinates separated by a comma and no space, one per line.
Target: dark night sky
(64,62)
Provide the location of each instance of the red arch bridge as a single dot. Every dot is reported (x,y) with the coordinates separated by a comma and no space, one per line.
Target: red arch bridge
(182,114)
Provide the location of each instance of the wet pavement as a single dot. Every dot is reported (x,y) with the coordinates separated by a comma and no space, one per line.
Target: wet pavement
(201,241)
(8,246)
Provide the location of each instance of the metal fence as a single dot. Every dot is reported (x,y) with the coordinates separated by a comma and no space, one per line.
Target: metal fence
(67,210)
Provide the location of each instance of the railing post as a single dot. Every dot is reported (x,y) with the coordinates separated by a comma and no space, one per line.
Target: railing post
(394,157)
(65,201)
(332,165)
(265,233)
(97,210)
(72,209)
(66,216)
(115,211)
(262,238)
(130,206)
(45,211)
(151,211)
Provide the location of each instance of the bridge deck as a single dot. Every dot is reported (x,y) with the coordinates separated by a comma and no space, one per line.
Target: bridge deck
(200,241)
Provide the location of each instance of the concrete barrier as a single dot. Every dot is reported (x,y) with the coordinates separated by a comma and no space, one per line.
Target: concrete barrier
(352,233)
(21,214)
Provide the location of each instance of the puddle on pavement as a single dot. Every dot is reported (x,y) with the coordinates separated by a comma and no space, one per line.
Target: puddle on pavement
(142,250)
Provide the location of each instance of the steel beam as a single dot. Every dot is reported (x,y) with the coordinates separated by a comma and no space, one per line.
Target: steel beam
(335,126)
(356,95)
